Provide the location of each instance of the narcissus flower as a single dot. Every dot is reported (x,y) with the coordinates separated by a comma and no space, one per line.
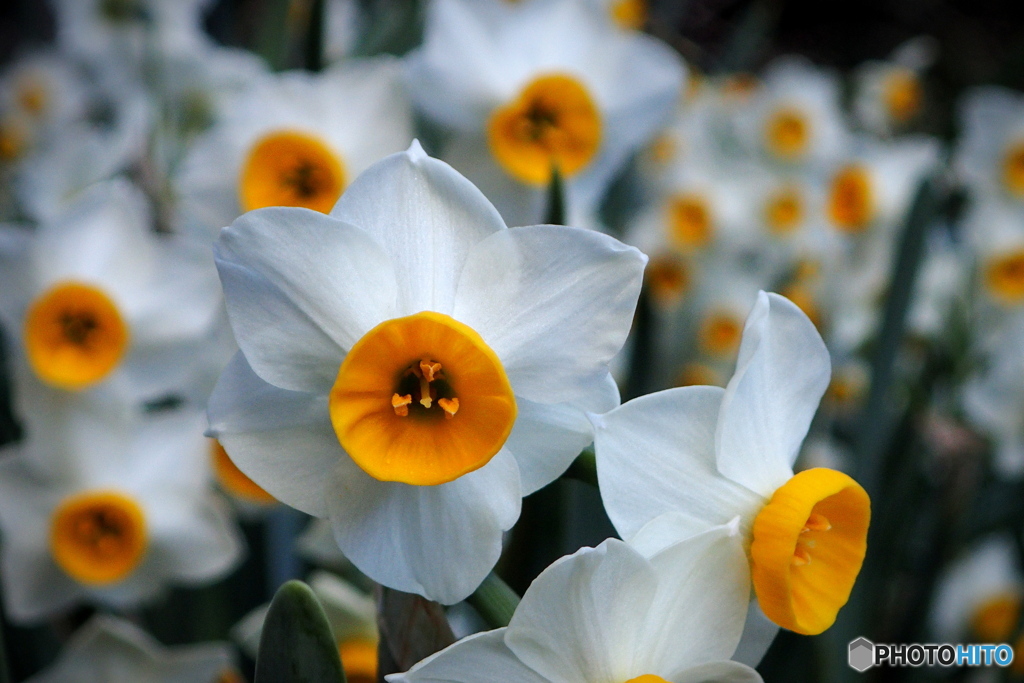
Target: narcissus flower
(990,156)
(410,368)
(294,139)
(125,509)
(117,651)
(674,462)
(100,298)
(533,86)
(608,615)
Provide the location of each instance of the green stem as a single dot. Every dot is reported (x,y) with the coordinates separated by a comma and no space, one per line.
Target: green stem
(273,35)
(495,601)
(556,198)
(315,36)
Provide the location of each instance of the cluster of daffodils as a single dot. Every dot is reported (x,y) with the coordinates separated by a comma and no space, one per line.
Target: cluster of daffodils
(227,291)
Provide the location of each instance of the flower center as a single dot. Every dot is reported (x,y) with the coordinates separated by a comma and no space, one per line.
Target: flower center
(1004,276)
(851,204)
(74,335)
(14,138)
(720,333)
(1013,168)
(629,13)
(422,400)
(690,221)
(667,278)
(808,546)
(647,678)
(783,211)
(291,168)
(787,133)
(359,659)
(32,96)
(234,480)
(902,95)
(553,122)
(697,374)
(98,537)
(995,619)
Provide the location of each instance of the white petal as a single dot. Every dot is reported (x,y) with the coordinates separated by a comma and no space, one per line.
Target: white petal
(200,546)
(545,440)
(437,541)
(655,454)
(719,672)
(427,217)
(479,658)
(297,284)
(283,440)
(781,373)
(555,303)
(582,619)
(697,615)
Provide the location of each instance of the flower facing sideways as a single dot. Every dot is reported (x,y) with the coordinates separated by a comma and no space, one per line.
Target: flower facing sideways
(608,615)
(409,367)
(674,462)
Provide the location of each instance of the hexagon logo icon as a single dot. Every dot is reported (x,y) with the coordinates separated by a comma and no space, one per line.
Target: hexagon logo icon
(862,655)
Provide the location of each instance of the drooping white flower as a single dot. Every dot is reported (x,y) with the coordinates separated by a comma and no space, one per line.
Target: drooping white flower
(541,84)
(672,463)
(608,615)
(124,509)
(410,368)
(101,299)
(117,651)
(295,139)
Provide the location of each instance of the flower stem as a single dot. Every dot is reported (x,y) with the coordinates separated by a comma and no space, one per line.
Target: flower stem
(495,601)
(583,468)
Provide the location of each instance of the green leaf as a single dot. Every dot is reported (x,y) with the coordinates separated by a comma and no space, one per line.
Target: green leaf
(556,198)
(494,601)
(297,645)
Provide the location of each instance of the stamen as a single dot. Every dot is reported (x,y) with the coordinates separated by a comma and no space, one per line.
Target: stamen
(450,406)
(425,399)
(401,404)
(816,522)
(430,369)
(801,557)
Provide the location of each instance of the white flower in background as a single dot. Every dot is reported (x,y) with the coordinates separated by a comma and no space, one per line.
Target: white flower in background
(794,117)
(125,509)
(630,14)
(978,595)
(108,141)
(406,371)
(673,463)
(608,615)
(117,35)
(295,139)
(101,300)
(996,236)
(889,95)
(46,89)
(944,281)
(541,84)
(990,154)
(343,26)
(352,615)
(993,398)
(114,650)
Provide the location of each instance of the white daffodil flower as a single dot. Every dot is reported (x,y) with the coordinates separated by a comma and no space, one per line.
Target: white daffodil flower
(889,95)
(103,299)
(46,88)
(295,139)
(794,117)
(672,463)
(608,615)
(996,234)
(114,650)
(990,155)
(410,368)
(125,510)
(545,83)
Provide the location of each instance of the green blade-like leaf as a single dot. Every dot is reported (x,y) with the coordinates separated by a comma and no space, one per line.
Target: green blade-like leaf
(556,198)
(297,645)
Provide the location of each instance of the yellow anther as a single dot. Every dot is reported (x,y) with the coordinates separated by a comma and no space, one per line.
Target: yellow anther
(401,404)
(816,522)
(801,557)
(450,406)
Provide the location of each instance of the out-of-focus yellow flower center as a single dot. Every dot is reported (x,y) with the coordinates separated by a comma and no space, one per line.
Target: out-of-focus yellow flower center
(740,86)
(719,333)
(663,149)
(422,400)
(359,659)
(808,546)
(787,133)
(14,138)
(667,278)
(1013,168)
(647,678)
(98,537)
(553,122)
(851,201)
(902,94)
(697,374)
(291,168)
(690,221)
(802,296)
(629,13)
(229,676)
(1004,277)
(234,480)
(32,96)
(995,619)
(74,335)
(847,387)
(784,211)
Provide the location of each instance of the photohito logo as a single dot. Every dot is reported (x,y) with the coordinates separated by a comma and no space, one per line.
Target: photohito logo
(863,654)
